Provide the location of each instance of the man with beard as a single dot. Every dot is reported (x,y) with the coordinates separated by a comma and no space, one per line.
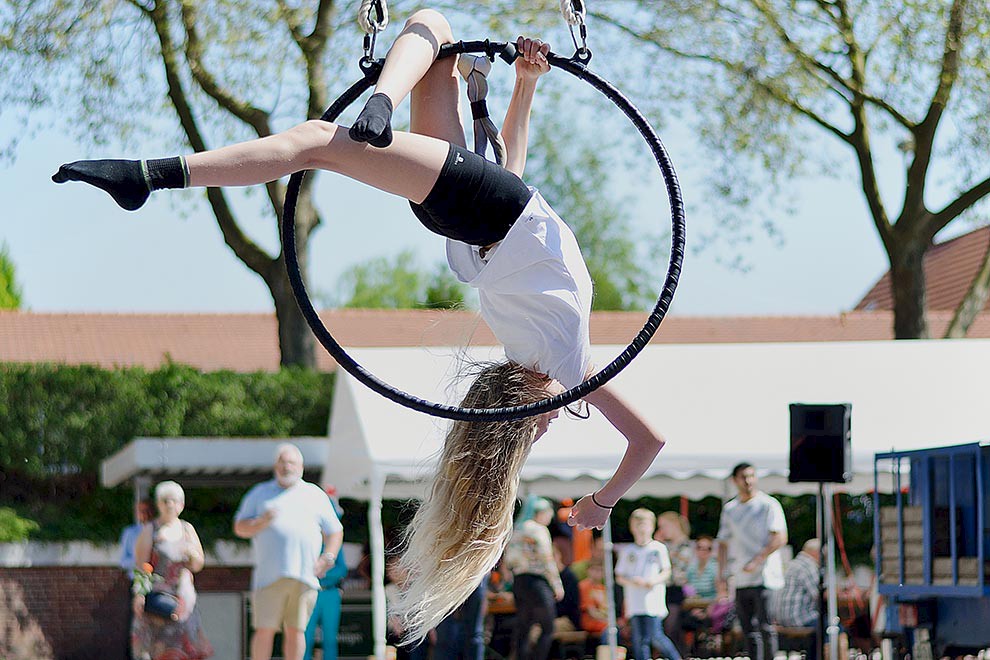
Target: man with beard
(295,535)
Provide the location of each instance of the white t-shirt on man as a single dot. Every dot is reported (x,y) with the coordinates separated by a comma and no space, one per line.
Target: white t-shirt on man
(535,293)
(291,544)
(746,527)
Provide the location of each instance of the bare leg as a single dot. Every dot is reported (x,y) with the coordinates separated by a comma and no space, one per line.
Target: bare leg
(413,53)
(434,106)
(408,167)
(293,643)
(410,59)
(261,643)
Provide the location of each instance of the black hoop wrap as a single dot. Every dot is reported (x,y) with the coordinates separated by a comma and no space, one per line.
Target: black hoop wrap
(577,66)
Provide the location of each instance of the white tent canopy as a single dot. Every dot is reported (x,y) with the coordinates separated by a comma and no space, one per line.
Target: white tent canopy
(717,404)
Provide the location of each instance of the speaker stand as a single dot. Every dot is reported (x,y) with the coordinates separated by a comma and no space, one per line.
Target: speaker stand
(827,607)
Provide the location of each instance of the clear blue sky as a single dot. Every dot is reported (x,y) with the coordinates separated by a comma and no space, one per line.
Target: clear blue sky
(76,251)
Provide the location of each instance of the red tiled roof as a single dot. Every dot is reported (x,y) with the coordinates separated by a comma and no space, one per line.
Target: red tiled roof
(247,342)
(949,270)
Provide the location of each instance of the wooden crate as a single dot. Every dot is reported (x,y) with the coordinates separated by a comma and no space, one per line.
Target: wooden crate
(888,515)
(890,535)
(914,571)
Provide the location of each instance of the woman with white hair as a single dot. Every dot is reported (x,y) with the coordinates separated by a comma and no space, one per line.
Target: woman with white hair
(167,553)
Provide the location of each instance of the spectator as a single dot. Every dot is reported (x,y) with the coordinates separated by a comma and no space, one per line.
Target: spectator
(643,569)
(295,535)
(796,604)
(461,636)
(703,571)
(702,575)
(397,577)
(326,614)
(594,603)
(751,530)
(144,511)
(674,531)
(569,607)
(536,582)
(597,556)
(562,534)
(171,549)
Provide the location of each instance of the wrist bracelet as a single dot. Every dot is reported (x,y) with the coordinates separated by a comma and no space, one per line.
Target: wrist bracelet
(599,504)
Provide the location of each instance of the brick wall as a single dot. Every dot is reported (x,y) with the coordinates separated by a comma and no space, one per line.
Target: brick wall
(78,612)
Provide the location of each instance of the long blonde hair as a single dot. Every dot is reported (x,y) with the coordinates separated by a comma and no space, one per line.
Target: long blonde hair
(461,529)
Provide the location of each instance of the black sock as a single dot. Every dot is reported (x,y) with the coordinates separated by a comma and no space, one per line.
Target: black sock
(166,173)
(374,124)
(129,182)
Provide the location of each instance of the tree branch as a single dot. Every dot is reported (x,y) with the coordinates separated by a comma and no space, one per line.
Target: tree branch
(973,302)
(739,69)
(924,133)
(256,118)
(860,136)
(959,205)
(246,250)
(810,64)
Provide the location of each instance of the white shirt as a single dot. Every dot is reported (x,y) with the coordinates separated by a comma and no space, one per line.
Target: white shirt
(291,544)
(746,527)
(644,561)
(535,293)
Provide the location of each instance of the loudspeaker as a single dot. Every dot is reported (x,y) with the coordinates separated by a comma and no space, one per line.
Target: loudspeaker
(820,443)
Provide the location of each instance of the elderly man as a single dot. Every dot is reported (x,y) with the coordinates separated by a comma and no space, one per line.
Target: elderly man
(295,535)
(796,605)
(751,530)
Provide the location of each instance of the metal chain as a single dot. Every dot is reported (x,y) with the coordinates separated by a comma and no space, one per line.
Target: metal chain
(373,18)
(574,12)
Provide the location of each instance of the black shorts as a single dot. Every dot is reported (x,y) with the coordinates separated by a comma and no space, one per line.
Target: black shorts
(474,200)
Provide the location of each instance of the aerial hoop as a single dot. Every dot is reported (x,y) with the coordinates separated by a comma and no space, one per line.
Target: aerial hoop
(576,66)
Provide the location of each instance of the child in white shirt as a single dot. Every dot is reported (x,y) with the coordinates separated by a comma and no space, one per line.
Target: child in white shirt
(643,568)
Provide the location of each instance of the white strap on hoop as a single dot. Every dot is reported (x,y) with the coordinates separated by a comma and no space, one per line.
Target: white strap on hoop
(573,11)
(368,21)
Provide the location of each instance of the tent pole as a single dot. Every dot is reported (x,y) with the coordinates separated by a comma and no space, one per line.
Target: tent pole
(613,630)
(377,534)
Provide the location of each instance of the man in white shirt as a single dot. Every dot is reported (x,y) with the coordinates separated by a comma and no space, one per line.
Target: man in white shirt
(289,522)
(751,530)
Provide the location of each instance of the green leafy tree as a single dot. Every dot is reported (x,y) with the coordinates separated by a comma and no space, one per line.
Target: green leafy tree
(14,528)
(624,279)
(10,289)
(399,283)
(767,80)
(575,171)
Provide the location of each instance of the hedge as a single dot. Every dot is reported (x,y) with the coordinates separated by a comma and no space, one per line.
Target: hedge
(57,423)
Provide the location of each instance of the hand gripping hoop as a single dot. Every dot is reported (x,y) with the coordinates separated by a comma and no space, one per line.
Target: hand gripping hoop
(576,66)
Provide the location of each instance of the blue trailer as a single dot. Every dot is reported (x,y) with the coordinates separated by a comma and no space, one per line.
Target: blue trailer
(931,544)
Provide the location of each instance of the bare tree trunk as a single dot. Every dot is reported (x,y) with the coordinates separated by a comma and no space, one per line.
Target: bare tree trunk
(907,281)
(974,301)
(295,339)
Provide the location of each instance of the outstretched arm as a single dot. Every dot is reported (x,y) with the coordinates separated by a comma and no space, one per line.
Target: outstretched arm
(532,64)
(643,446)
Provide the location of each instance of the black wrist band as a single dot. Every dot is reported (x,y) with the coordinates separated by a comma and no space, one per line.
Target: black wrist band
(599,504)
